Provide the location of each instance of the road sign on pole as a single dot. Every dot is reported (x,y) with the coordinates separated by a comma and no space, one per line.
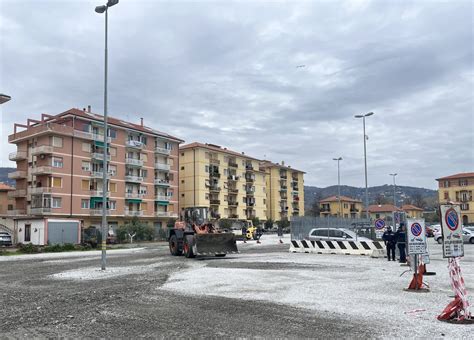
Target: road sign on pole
(416,236)
(379,224)
(452,231)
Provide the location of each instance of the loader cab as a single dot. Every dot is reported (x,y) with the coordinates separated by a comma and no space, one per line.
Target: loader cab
(196,215)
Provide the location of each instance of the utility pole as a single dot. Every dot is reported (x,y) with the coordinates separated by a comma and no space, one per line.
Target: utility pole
(394,188)
(339,213)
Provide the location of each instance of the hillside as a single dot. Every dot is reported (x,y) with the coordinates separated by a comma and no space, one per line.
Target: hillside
(4,176)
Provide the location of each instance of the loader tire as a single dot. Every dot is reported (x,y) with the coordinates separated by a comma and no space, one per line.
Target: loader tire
(221,255)
(174,247)
(188,249)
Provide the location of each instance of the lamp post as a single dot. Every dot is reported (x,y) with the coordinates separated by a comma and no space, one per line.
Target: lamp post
(365,163)
(394,188)
(100,10)
(338,185)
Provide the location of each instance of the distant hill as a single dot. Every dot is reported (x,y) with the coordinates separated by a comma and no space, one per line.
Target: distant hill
(4,176)
(404,194)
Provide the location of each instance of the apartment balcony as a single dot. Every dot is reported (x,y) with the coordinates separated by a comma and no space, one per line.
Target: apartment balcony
(100,138)
(42,150)
(233,178)
(232,165)
(134,195)
(214,161)
(134,144)
(354,210)
(16,212)
(325,210)
(233,203)
(250,192)
(162,182)
(133,179)
(215,202)
(17,193)
(162,166)
(42,170)
(283,189)
(162,198)
(40,190)
(295,208)
(99,156)
(17,174)
(98,212)
(97,193)
(98,174)
(215,174)
(249,167)
(213,188)
(233,216)
(233,191)
(134,162)
(250,204)
(133,212)
(83,134)
(162,151)
(283,177)
(39,211)
(17,156)
(169,214)
(249,179)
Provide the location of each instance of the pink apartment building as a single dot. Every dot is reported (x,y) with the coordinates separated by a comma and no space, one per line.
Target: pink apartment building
(59,170)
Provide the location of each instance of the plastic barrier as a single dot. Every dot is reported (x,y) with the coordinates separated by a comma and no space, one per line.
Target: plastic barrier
(370,248)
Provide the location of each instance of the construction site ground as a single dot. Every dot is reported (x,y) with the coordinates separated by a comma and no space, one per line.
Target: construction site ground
(264,291)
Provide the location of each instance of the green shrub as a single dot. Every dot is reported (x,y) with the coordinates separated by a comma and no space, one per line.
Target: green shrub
(69,247)
(55,248)
(28,248)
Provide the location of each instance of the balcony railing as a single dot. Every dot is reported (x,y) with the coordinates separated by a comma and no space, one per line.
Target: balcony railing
(214,161)
(98,212)
(283,177)
(99,156)
(98,174)
(83,134)
(162,151)
(249,178)
(233,165)
(250,192)
(42,170)
(233,203)
(214,188)
(250,204)
(16,212)
(135,179)
(134,162)
(249,167)
(17,156)
(233,191)
(162,182)
(39,211)
(134,144)
(100,138)
(17,174)
(133,212)
(134,195)
(43,149)
(162,166)
(40,190)
(283,188)
(233,216)
(233,178)
(17,193)
(215,202)
(170,214)
(215,174)
(164,198)
(97,193)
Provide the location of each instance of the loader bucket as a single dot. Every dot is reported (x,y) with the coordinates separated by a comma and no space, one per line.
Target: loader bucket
(212,244)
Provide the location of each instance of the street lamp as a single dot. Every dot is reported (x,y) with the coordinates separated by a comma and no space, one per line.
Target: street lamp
(338,184)
(394,201)
(365,162)
(4,98)
(100,10)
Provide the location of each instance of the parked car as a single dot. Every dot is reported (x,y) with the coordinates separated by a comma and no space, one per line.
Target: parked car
(471,229)
(429,231)
(334,234)
(467,235)
(435,227)
(5,239)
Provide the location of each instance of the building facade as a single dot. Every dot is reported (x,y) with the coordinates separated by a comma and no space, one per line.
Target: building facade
(7,198)
(60,168)
(348,207)
(458,189)
(412,211)
(285,191)
(229,183)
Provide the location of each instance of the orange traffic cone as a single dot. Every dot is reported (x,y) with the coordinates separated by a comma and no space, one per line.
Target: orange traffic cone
(417,281)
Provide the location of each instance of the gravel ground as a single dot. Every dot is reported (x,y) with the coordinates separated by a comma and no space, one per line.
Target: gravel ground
(264,292)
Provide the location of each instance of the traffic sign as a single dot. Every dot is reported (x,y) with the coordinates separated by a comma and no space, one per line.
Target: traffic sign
(416,229)
(416,236)
(452,232)
(379,224)
(452,219)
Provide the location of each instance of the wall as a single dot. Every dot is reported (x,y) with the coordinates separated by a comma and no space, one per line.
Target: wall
(38,237)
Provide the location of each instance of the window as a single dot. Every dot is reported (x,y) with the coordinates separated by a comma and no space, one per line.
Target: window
(144,173)
(112,187)
(463,182)
(446,195)
(446,184)
(465,206)
(144,157)
(225,172)
(206,168)
(264,201)
(27,232)
(57,162)
(85,185)
(144,140)
(112,205)
(86,166)
(225,198)
(57,142)
(113,151)
(112,133)
(182,168)
(377,215)
(345,206)
(86,147)
(57,182)
(10,207)
(85,204)
(143,190)
(143,206)
(57,202)
(207,196)
(112,170)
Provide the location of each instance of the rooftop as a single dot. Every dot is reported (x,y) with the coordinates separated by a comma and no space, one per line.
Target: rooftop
(457,176)
(383,208)
(216,148)
(410,207)
(268,164)
(343,199)
(5,187)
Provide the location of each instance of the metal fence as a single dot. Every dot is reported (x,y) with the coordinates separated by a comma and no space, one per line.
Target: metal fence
(301,226)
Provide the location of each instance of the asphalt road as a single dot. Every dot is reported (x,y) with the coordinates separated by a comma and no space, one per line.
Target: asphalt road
(33,304)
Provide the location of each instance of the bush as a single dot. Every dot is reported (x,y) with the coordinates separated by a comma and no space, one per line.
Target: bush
(55,248)
(268,224)
(142,231)
(28,248)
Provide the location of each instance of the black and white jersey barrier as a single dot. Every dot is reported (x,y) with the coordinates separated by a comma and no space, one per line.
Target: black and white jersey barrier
(370,248)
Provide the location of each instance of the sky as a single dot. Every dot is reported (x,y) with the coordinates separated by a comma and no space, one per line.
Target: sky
(278,80)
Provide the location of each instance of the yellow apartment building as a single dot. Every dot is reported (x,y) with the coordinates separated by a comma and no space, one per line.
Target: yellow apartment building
(285,191)
(229,183)
(458,188)
(412,211)
(348,207)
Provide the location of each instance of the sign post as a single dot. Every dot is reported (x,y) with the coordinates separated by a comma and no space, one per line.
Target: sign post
(416,242)
(379,225)
(453,248)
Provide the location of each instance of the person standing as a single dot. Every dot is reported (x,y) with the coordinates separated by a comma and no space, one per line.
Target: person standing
(390,241)
(400,237)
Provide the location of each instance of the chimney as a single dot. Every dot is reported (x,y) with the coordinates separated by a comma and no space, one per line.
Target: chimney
(141,121)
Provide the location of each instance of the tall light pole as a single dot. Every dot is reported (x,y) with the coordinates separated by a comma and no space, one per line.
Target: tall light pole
(104,229)
(394,188)
(365,163)
(338,184)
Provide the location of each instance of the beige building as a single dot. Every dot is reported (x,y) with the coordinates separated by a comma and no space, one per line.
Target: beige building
(412,211)
(285,191)
(228,182)
(7,200)
(458,188)
(59,169)
(348,207)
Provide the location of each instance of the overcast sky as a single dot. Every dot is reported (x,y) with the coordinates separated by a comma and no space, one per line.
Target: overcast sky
(230,73)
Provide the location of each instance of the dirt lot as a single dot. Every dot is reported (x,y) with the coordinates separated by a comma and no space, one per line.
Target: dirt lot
(262,292)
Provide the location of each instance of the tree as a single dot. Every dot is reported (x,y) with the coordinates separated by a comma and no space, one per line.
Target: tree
(142,231)
(418,200)
(315,209)
(284,223)
(268,224)
(256,221)
(381,199)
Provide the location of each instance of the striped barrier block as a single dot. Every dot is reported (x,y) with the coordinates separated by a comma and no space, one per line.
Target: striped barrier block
(370,248)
